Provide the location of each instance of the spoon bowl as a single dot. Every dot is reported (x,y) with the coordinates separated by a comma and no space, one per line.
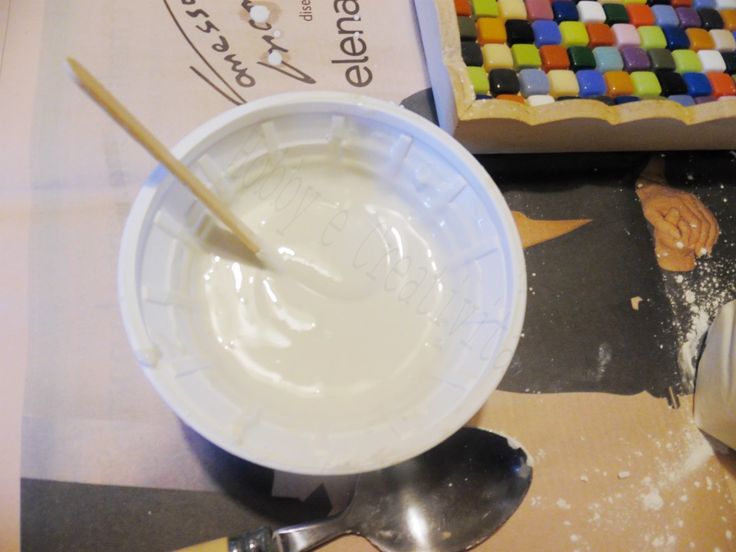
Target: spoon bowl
(448,499)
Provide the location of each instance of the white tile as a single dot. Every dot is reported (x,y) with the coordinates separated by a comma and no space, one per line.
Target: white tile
(539,99)
(712,61)
(591,12)
(723,39)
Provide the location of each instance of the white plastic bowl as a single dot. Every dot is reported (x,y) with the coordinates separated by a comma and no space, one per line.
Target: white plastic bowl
(450,352)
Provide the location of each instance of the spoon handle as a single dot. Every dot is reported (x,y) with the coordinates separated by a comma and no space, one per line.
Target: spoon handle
(297,538)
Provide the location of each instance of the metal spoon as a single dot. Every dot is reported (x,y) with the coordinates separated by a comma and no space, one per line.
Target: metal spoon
(448,499)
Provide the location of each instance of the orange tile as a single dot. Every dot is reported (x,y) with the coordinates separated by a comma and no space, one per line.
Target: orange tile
(700,39)
(640,15)
(729,19)
(618,83)
(491,30)
(511,97)
(599,34)
(554,57)
(723,84)
(462,7)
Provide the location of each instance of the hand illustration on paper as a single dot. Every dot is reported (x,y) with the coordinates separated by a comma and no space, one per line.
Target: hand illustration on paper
(684,228)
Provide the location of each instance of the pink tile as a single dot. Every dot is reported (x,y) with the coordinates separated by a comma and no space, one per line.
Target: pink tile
(626,35)
(538,9)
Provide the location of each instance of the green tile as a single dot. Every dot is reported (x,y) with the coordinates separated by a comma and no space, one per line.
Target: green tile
(651,37)
(662,59)
(581,58)
(646,84)
(615,13)
(687,61)
(526,56)
(485,8)
(479,79)
(466,25)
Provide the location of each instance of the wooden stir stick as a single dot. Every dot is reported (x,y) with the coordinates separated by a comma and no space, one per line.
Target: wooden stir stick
(144,137)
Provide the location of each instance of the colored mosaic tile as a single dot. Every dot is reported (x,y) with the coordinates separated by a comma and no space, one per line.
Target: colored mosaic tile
(599,34)
(503,81)
(608,58)
(671,83)
(646,84)
(533,82)
(611,51)
(546,33)
(661,59)
(573,33)
(526,56)
(497,56)
(491,30)
(562,83)
(700,39)
(479,80)
(722,84)
(519,31)
(581,58)
(511,9)
(471,53)
(697,84)
(462,7)
(590,83)
(538,10)
(618,83)
(554,58)
(485,8)
(651,37)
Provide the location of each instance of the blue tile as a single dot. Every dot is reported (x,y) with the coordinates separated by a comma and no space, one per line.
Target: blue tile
(682,99)
(700,4)
(591,83)
(564,11)
(697,84)
(533,82)
(546,33)
(676,38)
(665,16)
(626,99)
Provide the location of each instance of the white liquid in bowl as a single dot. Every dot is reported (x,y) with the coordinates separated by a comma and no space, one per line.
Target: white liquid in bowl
(340,351)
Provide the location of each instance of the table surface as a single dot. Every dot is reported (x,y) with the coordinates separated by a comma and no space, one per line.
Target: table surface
(594,394)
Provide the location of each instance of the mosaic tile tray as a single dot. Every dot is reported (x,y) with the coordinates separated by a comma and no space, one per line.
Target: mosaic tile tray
(562,75)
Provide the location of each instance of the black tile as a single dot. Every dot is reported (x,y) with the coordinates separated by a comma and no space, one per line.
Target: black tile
(672,83)
(710,18)
(730,59)
(472,54)
(519,32)
(503,81)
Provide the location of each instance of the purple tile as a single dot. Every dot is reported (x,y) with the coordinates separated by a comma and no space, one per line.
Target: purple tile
(704,99)
(688,17)
(635,59)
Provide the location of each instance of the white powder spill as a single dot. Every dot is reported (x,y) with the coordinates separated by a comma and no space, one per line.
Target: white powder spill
(652,500)
(260,14)
(584,478)
(275,58)
(562,503)
(624,474)
(574,537)
(697,297)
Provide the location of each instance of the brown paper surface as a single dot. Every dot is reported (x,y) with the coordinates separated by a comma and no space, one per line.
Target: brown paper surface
(610,473)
